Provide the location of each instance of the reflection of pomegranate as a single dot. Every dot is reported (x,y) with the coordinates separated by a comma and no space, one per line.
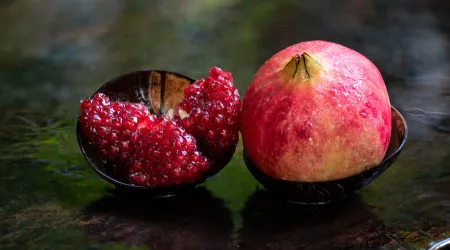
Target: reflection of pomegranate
(316,111)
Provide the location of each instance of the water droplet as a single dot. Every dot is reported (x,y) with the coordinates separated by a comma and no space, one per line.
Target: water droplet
(363,113)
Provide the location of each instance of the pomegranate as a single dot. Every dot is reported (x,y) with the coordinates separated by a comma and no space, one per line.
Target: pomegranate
(195,131)
(316,111)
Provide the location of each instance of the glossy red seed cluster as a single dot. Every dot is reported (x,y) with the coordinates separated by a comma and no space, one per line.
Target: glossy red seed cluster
(152,151)
(166,156)
(110,125)
(210,111)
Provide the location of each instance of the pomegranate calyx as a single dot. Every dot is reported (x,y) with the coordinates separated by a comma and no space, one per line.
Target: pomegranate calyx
(302,67)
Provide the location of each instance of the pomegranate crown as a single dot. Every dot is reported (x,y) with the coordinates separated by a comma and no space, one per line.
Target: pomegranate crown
(302,67)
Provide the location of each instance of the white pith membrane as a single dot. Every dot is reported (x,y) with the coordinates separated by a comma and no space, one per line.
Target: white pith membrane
(181,113)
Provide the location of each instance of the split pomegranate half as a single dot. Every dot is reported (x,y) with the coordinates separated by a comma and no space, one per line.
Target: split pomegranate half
(160,130)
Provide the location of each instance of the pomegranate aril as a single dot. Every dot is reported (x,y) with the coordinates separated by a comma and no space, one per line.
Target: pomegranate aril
(107,121)
(114,152)
(117,125)
(187,125)
(124,146)
(211,134)
(227,76)
(204,165)
(230,122)
(85,104)
(137,166)
(113,137)
(124,135)
(155,153)
(103,131)
(218,120)
(134,137)
(167,133)
(98,107)
(90,132)
(95,120)
(103,153)
(138,178)
(196,157)
(224,134)
(179,142)
(218,106)
(148,166)
(215,72)
(177,172)
(129,124)
(83,118)
(124,157)
(204,119)
(157,137)
(167,155)
(105,101)
(168,167)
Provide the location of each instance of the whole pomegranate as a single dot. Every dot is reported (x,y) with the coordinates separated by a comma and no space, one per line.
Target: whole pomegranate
(316,111)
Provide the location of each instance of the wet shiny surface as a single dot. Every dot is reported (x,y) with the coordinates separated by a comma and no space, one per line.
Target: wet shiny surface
(53,53)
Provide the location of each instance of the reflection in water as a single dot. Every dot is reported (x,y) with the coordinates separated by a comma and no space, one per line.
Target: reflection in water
(270,223)
(194,221)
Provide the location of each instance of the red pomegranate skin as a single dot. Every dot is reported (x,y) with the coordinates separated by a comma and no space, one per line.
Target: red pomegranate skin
(331,126)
